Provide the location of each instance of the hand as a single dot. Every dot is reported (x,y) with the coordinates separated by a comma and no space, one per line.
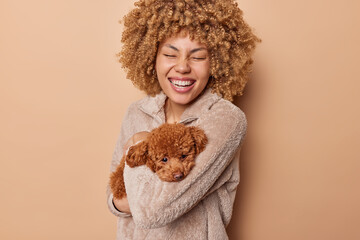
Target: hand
(140,136)
(122,205)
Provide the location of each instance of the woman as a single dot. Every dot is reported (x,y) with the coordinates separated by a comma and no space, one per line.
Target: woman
(191,58)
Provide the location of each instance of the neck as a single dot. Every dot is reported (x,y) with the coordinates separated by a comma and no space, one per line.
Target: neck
(173,111)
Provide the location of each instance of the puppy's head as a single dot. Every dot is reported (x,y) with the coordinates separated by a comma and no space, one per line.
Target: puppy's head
(172,149)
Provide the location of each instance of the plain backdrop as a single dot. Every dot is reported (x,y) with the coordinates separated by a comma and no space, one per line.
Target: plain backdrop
(63,96)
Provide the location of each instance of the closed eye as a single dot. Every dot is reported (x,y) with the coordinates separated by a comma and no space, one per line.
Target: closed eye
(169,56)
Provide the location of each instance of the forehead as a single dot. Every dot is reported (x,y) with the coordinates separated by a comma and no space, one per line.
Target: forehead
(171,148)
(171,143)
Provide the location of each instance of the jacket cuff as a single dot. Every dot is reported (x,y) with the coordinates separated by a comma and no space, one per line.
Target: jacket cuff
(114,210)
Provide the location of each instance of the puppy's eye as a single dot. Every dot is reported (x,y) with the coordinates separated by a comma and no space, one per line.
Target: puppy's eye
(183,156)
(164,159)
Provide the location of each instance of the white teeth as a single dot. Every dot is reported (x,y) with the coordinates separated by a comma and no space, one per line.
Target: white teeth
(181,83)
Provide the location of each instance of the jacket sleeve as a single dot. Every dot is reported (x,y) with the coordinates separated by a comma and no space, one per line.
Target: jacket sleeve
(125,134)
(155,203)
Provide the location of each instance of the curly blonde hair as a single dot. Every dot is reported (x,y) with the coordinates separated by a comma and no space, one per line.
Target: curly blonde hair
(216,23)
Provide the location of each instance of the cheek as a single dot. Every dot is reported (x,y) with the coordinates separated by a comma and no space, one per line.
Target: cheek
(206,71)
(162,66)
(188,165)
(165,174)
(202,71)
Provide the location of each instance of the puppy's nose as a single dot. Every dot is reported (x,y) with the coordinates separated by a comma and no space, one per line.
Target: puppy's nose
(178,176)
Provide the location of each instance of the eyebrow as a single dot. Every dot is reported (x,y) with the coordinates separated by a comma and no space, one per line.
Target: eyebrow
(192,51)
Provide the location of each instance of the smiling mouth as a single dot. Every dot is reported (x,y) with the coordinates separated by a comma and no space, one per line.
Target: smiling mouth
(182,83)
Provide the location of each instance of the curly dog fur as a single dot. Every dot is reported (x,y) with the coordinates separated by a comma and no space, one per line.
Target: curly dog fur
(169,151)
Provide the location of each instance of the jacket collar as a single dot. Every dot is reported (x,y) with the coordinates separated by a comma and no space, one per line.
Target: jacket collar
(154,106)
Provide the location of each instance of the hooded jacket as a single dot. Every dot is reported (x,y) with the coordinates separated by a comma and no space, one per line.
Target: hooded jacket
(198,207)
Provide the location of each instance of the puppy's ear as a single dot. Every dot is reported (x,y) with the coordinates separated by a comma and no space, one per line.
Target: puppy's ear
(137,154)
(199,138)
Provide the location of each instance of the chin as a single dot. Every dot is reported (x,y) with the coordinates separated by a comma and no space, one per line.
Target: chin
(181,100)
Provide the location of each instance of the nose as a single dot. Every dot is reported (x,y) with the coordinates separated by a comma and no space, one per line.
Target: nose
(182,66)
(178,176)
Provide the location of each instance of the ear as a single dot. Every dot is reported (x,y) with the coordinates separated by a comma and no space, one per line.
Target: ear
(137,154)
(199,137)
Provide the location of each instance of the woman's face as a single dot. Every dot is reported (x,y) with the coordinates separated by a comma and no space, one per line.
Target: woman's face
(183,68)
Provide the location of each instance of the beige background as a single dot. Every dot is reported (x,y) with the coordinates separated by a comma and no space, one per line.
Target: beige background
(63,95)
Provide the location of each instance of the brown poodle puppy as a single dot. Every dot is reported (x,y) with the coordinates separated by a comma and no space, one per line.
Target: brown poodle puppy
(169,151)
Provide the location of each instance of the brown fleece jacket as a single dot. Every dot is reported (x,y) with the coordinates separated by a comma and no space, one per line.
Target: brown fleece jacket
(200,206)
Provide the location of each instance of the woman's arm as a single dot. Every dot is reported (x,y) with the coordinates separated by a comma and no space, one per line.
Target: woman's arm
(155,203)
(120,208)
(122,205)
